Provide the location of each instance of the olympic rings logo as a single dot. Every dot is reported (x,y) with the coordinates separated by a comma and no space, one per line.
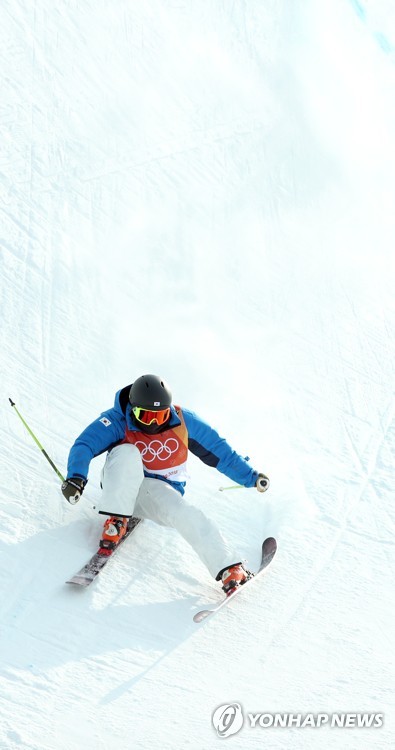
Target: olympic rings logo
(156,449)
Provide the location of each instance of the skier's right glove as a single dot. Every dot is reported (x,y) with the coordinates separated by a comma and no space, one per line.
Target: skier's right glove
(72,489)
(262,483)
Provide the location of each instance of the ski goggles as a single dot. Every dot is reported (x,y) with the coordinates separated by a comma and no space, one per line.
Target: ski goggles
(145,416)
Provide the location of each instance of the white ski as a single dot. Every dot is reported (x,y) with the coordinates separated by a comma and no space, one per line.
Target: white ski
(269,548)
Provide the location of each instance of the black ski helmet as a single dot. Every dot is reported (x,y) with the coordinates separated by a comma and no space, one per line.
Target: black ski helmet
(150,392)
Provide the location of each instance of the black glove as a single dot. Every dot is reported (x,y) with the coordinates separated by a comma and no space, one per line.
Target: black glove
(262,483)
(73,488)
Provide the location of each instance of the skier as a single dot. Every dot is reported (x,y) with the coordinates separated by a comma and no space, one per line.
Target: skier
(147,439)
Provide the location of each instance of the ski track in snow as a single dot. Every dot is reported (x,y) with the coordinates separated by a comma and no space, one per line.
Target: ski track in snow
(205,190)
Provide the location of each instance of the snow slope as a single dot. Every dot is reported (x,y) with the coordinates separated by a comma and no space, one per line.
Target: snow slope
(204,190)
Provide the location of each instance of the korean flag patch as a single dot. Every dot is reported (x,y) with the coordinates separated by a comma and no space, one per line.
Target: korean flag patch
(105,421)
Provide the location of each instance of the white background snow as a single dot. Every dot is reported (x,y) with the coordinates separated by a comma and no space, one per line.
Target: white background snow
(203,189)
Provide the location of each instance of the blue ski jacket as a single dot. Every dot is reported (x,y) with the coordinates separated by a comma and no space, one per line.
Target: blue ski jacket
(110,428)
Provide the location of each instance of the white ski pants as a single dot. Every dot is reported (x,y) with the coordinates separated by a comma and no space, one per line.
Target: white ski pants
(127,492)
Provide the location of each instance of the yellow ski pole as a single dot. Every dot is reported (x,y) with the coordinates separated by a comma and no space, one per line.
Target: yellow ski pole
(44,452)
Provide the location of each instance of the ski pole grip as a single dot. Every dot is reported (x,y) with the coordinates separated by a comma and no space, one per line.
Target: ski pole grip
(262,483)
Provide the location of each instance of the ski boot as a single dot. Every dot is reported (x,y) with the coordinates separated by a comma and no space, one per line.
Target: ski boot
(234,577)
(114,530)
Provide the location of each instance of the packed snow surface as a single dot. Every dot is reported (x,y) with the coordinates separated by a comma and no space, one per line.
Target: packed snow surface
(204,190)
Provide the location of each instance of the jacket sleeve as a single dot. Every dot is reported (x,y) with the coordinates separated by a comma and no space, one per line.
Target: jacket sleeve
(99,436)
(213,450)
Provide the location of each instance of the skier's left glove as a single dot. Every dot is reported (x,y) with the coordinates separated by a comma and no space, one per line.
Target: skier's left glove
(262,483)
(73,488)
